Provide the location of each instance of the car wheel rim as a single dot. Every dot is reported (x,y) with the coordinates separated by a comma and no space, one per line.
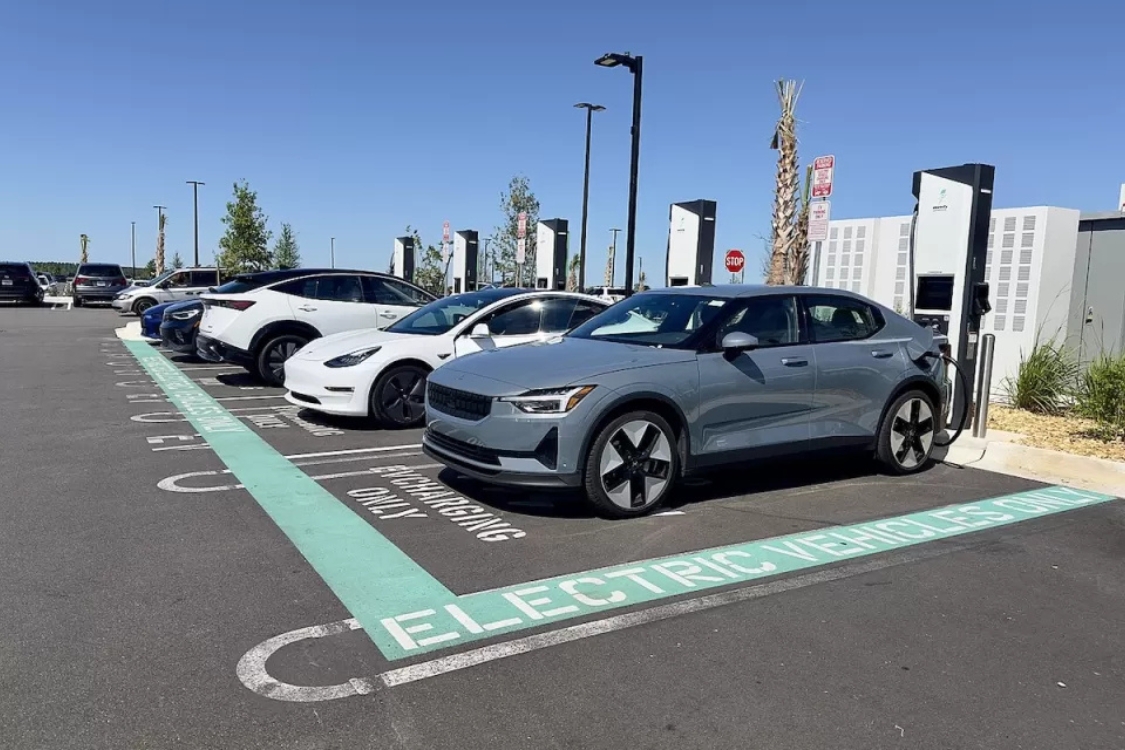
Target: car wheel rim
(277,357)
(403,396)
(636,465)
(912,433)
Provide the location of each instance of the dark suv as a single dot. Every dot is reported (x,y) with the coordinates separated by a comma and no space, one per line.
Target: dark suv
(18,283)
(98,282)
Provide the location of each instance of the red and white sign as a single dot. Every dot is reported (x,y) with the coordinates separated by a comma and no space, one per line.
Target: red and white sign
(735,261)
(819,214)
(521,250)
(445,232)
(521,228)
(823,169)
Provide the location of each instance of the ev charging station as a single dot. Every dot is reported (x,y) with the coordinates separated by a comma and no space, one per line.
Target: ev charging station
(402,262)
(551,244)
(948,252)
(691,243)
(465,261)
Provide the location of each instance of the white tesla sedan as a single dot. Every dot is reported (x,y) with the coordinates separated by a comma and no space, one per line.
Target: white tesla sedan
(383,374)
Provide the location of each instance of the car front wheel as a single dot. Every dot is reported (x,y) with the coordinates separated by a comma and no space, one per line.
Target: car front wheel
(398,397)
(906,437)
(632,465)
(143,304)
(272,357)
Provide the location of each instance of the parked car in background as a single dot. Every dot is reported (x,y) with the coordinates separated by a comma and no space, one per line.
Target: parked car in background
(18,283)
(725,374)
(48,284)
(151,319)
(97,282)
(383,374)
(173,286)
(259,320)
(179,325)
(611,293)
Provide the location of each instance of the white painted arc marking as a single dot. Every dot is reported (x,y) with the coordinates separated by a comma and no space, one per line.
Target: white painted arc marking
(252,672)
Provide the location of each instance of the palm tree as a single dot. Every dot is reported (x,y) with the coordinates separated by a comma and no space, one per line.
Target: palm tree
(786,189)
(572,274)
(160,244)
(798,266)
(84,243)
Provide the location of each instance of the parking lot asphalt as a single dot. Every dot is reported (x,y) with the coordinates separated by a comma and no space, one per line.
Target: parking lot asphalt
(192,562)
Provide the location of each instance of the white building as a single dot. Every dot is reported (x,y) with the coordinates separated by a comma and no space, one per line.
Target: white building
(1030,270)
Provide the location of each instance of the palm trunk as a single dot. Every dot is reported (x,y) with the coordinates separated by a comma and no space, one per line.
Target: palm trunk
(786,189)
(160,247)
(799,258)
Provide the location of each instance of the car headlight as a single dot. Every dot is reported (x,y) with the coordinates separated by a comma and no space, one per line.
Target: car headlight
(550,400)
(353,358)
(185,314)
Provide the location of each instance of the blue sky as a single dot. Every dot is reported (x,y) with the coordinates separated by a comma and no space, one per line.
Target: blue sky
(355,119)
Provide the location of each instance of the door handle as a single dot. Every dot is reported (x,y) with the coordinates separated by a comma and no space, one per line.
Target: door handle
(794,361)
(306,308)
(392,316)
(881,354)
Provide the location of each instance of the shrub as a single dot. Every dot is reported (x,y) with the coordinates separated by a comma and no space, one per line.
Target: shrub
(1045,381)
(1101,394)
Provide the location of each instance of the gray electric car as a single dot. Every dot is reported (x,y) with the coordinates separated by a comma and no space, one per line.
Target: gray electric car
(678,380)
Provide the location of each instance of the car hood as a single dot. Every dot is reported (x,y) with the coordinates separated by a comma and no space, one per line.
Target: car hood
(338,344)
(557,362)
(157,310)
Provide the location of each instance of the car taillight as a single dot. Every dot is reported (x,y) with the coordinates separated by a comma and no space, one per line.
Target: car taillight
(80,279)
(120,281)
(234,304)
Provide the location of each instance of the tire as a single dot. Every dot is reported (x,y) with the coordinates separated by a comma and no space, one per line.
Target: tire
(632,465)
(78,302)
(906,436)
(272,355)
(143,304)
(398,397)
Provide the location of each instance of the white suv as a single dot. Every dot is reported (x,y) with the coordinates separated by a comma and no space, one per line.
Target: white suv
(175,285)
(259,320)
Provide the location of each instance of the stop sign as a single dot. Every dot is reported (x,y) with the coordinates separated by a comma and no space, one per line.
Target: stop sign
(735,260)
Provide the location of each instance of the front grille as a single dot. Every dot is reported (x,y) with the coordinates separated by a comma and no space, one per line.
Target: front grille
(460,404)
(465,449)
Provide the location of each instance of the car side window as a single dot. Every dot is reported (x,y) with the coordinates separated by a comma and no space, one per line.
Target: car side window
(298,288)
(339,289)
(834,318)
(409,294)
(520,319)
(204,278)
(561,314)
(773,320)
(179,279)
(388,292)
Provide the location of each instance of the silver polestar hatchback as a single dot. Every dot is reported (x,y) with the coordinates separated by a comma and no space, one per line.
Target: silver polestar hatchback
(680,380)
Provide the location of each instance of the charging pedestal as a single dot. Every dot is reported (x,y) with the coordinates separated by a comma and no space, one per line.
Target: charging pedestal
(949,247)
(551,239)
(464,261)
(403,259)
(691,243)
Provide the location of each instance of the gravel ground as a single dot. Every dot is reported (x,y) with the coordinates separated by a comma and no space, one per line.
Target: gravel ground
(1064,433)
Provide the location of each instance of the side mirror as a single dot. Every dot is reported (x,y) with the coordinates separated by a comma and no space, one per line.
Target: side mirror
(738,341)
(480,331)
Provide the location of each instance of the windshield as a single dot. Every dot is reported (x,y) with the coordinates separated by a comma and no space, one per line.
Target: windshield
(441,315)
(652,319)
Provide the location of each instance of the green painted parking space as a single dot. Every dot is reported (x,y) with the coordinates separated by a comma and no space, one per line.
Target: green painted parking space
(406,611)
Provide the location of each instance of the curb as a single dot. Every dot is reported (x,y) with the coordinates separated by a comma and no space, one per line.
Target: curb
(1038,464)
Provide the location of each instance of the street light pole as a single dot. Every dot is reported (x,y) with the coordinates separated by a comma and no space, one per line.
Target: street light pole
(333,252)
(590,110)
(195,196)
(613,257)
(636,67)
(133,246)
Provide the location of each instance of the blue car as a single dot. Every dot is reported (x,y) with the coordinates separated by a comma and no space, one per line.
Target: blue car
(150,321)
(179,324)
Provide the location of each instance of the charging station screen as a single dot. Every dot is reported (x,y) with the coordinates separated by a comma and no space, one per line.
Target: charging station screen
(934,293)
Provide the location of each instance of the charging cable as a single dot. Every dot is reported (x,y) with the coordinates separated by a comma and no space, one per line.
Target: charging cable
(965,388)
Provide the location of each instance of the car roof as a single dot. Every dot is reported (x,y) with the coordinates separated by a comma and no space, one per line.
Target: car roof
(279,274)
(736,291)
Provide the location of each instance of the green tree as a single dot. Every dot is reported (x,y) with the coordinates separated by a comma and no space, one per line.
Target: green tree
(517,198)
(245,245)
(177,261)
(150,269)
(429,270)
(286,252)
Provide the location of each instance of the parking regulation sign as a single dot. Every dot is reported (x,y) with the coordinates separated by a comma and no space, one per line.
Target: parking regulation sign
(823,169)
(819,214)
(445,232)
(521,226)
(521,250)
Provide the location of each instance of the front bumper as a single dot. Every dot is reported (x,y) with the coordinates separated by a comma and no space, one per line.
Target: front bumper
(214,350)
(308,384)
(178,338)
(510,447)
(122,304)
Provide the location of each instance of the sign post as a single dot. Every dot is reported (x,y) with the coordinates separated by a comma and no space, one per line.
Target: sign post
(521,246)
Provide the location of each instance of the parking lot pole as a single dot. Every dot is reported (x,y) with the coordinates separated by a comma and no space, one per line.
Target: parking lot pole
(986,349)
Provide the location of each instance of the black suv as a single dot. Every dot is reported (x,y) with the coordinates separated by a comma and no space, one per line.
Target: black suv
(19,283)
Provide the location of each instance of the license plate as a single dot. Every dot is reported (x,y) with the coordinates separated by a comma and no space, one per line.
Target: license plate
(101,283)
(5,282)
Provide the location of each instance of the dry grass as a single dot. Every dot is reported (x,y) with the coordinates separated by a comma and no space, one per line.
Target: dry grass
(1064,433)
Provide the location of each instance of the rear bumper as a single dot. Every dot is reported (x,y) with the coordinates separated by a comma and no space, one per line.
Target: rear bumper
(214,350)
(98,293)
(13,293)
